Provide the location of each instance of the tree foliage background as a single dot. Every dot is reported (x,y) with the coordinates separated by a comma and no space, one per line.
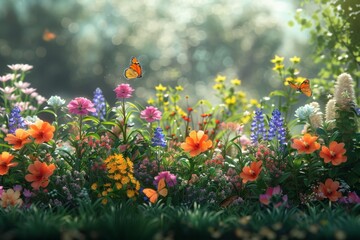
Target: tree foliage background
(179,42)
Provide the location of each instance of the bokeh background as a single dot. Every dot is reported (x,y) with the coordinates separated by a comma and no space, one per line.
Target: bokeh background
(178,42)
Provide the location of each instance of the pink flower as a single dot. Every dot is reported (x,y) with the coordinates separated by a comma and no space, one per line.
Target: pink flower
(170,178)
(123,90)
(270,197)
(150,114)
(21,67)
(81,106)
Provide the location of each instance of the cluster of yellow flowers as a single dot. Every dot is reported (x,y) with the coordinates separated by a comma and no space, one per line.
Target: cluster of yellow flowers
(120,172)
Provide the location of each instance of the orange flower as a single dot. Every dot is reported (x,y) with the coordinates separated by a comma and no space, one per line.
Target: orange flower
(5,162)
(20,138)
(41,131)
(334,154)
(306,144)
(251,173)
(39,174)
(196,143)
(10,198)
(329,190)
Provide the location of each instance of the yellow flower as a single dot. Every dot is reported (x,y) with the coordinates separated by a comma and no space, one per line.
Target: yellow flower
(94,186)
(230,101)
(295,59)
(117,177)
(160,88)
(218,86)
(179,88)
(130,193)
(236,82)
(277,59)
(118,186)
(278,66)
(104,193)
(254,102)
(125,180)
(241,94)
(107,184)
(220,79)
(287,80)
(150,101)
(104,201)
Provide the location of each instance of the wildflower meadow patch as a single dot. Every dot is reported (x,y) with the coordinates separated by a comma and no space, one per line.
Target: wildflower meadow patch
(234,170)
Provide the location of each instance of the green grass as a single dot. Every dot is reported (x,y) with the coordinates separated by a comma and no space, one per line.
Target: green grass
(130,221)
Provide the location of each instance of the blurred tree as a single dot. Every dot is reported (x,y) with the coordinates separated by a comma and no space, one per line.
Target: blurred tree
(181,42)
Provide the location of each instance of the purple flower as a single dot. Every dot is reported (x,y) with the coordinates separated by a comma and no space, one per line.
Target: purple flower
(100,105)
(15,120)
(123,90)
(276,127)
(150,114)
(1,190)
(170,178)
(158,138)
(257,127)
(27,193)
(81,106)
(17,188)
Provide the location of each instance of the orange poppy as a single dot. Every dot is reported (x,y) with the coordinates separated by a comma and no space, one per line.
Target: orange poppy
(196,143)
(252,172)
(5,162)
(41,131)
(334,154)
(39,174)
(329,190)
(307,144)
(20,138)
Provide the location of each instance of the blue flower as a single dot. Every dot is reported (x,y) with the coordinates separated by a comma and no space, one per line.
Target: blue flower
(99,104)
(304,112)
(159,138)
(15,120)
(258,127)
(276,128)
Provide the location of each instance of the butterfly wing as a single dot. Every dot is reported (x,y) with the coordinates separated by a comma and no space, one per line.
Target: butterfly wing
(162,188)
(151,194)
(227,201)
(293,86)
(305,88)
(48,36)
(134,70)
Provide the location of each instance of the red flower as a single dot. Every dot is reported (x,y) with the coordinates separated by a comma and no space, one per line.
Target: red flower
(334,154)
(251,173)
(196,143)
(329,190)
(307,144)
(5,162)
(39,174)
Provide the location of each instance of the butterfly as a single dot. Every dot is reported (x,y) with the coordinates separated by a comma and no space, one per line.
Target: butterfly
(48,36)
(304,87)
(153,195)
(228,201)
(134,70)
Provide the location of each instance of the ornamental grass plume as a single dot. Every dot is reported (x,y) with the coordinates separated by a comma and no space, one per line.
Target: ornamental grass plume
(41,131)
(6,162)
(196,143)
(18,140)
(307,144)
(330,114)
(10,198)
(344,91)
(39,174)
(334,153)
(316,118)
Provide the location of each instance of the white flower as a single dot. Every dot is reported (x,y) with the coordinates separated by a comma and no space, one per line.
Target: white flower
(21,67)
(304,112)
(55,101)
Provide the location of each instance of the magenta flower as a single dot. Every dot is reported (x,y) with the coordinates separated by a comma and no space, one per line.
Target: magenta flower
(150,114)
(170,178)
(81,106)
(273,195)
(123,90)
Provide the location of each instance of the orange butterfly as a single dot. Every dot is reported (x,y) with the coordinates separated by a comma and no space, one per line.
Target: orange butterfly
(134,70)
(161,190)
(48,36)
(304,87)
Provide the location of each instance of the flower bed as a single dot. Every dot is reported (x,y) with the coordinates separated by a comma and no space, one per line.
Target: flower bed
(86,168)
